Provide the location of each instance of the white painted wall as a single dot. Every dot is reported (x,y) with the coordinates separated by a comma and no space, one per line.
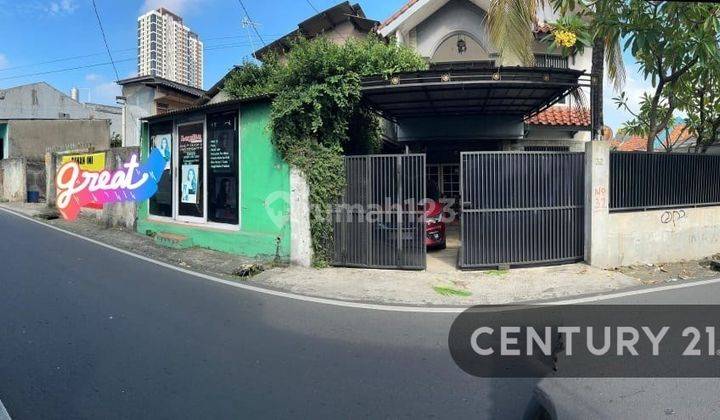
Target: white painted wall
(139,103)
(653,237)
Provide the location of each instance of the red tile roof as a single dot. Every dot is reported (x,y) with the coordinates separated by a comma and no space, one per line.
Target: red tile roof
(677,137)
(561,115)
(633,144)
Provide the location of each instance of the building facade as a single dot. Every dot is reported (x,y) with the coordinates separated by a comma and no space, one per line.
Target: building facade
(169,49)
(453,36)
(40,101)
(144,96)
(225,186)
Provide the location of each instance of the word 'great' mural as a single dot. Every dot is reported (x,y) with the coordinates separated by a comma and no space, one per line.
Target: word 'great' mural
(78,187)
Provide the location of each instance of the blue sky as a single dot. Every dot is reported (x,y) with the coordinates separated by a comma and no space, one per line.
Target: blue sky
(48,35)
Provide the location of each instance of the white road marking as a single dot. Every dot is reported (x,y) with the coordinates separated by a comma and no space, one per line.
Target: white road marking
(356,305)
(3,412)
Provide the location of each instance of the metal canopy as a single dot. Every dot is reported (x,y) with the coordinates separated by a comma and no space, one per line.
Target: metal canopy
(519,91)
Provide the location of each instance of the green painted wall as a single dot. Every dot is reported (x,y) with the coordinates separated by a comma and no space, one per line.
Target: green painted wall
(5,143)
(265,223)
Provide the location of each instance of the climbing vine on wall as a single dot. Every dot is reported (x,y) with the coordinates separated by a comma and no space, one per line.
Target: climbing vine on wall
(317,116)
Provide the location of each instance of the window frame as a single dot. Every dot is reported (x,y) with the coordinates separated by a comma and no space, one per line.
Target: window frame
(200,222)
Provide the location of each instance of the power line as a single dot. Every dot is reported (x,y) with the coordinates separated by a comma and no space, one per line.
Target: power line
(59,60)
(65,69)
(77,57)
(107,47)
(61,70)
(250,19)
(313,6)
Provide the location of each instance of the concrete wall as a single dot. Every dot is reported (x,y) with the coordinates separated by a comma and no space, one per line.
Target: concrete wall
(31,139)
(123,214)
(301,239)
(139,103)
(13,182)
(659,236)
(42,101)
(641,237)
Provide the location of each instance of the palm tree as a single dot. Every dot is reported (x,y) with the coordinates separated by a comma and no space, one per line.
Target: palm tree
(510,21)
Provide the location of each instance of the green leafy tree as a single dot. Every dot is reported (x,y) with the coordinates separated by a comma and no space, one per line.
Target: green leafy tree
(509,27)
(317,115)
(699,92)
(668,40)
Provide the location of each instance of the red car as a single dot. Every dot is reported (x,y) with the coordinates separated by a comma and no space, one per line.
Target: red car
(434,225)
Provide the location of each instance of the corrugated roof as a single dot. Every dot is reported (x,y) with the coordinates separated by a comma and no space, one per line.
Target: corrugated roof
(154,80)
(561,116)
(209,107)
(320,23)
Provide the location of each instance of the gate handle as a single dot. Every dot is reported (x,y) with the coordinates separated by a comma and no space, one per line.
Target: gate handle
(466,204)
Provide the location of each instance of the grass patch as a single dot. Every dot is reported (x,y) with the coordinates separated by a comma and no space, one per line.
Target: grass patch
(497,272)
(449,291)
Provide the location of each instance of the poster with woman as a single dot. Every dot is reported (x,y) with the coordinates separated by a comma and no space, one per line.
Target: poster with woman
(189,184)
(163,142)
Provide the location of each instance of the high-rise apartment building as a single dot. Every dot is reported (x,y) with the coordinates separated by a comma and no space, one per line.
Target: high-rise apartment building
(169,49)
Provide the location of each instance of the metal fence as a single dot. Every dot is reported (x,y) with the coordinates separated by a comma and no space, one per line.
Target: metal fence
(550,60)
(521,208)
(645,181)
(380,222)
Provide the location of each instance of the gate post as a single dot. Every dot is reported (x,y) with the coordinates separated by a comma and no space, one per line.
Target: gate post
(597,203)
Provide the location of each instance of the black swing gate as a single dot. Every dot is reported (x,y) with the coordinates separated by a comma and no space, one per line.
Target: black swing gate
(380,222)
(521,208)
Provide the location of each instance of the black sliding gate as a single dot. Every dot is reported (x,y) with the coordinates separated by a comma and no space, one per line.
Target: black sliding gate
(521,208)
(380,222)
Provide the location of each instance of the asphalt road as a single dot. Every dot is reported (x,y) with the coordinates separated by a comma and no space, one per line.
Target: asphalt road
(87,332)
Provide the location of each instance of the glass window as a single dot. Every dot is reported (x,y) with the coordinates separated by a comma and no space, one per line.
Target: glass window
(161,139)
(190,161)
(222,168)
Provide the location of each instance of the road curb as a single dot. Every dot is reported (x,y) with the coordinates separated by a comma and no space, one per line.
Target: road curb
(581,299)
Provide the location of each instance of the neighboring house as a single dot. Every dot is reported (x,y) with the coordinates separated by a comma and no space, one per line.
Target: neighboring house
(24,143)
(43,102)
(678,140)
(144,96)
(452,35)
(338,23)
